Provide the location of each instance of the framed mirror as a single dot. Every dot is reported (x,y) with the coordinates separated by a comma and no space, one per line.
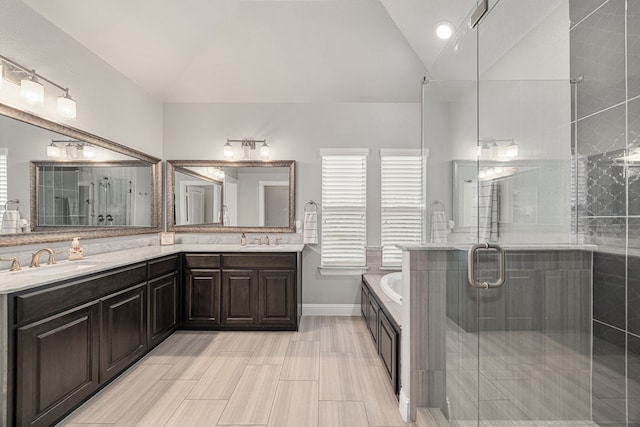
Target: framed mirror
(227,196)
(44,195)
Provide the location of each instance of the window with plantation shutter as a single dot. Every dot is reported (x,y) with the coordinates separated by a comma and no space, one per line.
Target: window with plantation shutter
(4,183)
(401,202)
(344,210)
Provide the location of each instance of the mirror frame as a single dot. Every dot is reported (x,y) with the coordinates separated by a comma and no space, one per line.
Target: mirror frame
(211,228)
(91,233)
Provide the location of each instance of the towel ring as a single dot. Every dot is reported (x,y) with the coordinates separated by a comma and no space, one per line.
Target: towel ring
(12,202)
(311,204)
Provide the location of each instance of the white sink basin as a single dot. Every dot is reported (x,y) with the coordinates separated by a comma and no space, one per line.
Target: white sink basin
(55,269)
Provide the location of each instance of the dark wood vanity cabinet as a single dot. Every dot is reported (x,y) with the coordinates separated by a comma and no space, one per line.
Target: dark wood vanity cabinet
(388,347)
(201,290)
(123,330)
(385,333)
(57,365)
(72,337)
(163,293)
(239,297)
(276,297)
(251,291)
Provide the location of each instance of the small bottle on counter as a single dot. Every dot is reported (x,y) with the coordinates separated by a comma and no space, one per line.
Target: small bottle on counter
(243,240)
(75,251)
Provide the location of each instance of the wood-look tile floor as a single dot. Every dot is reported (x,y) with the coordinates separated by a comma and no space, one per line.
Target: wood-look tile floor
(326,375)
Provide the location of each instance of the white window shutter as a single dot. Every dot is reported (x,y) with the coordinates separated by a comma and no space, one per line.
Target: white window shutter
(4,182)
(344,210)
(401,200)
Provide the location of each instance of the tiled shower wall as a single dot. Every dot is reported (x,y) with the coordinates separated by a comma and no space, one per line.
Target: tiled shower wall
(605,62)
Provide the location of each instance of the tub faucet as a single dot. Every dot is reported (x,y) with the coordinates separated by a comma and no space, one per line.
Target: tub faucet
(15,265)
(36,257)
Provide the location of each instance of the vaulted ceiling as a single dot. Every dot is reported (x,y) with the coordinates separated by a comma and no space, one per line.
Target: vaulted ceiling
(263,50)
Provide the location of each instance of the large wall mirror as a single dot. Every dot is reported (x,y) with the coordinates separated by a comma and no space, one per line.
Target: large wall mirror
(62,182)
(219,196)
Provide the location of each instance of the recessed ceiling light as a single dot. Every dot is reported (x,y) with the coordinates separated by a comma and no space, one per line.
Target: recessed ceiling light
(444,30)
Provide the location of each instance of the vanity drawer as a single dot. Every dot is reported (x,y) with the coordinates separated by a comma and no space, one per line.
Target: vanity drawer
(41,303)
(259,260)
(159,267)
(202,260)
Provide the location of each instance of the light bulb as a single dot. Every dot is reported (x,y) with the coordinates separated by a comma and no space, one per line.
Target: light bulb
(444,30)
(264,151)
(90,151)
(71,151)
(53,150)
(66,107)
(221,173)
(228,150)
(512,150)
(31,91)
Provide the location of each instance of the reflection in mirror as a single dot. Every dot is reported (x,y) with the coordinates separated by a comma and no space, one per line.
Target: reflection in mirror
(26,138)
(224,196)
(83,194)
(515,190)
(199,196)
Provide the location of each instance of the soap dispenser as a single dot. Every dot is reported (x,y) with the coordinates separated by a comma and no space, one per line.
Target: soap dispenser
(75,251)
(243,240)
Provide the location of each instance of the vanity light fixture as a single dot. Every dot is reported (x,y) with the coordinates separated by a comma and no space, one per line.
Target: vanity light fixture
(247,145)
(32,91)
(72,149)
(493,149)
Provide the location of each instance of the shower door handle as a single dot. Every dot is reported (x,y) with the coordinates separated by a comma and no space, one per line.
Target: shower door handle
(471,266)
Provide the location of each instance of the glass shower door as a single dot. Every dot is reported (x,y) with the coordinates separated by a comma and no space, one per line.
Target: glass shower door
(534,341)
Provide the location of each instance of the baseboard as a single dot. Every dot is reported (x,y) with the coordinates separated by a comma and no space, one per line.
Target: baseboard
(403,406)
(331,309)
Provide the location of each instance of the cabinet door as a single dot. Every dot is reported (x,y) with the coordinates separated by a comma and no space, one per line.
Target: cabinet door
(239,297)
(276,297)
(57,365)
(364,300)
(163,307)
(372,318)
(123,331)
(388,347)
(202,297)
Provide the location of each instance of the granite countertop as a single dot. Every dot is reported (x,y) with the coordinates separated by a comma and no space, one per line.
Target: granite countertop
(394,309)
(12,281)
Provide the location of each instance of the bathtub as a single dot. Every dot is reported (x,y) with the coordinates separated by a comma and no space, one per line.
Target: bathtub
(392,286)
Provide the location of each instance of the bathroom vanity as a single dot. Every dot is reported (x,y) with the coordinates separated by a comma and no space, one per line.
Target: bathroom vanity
(92,319)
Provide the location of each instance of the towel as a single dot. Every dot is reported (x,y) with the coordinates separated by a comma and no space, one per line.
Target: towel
(439,225)
(488,224)
(310,233)
(10,222)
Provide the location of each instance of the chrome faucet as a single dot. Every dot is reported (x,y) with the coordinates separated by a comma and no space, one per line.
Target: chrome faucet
(15,265)
(36,257)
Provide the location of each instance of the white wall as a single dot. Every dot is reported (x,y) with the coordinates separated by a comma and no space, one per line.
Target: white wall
(109,105)
(297,132)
